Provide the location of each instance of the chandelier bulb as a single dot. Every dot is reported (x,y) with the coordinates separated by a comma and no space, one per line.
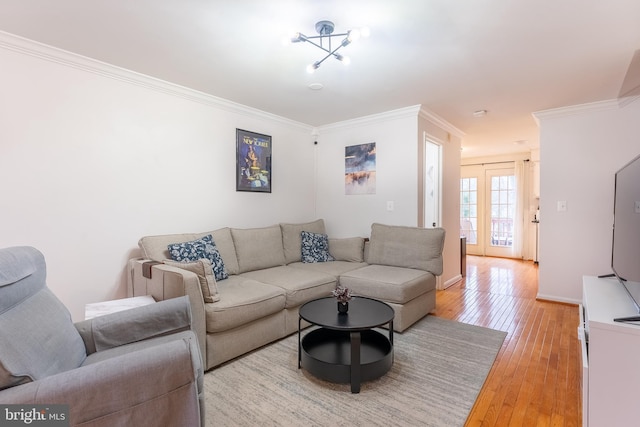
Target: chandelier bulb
(313,67)
(298,37)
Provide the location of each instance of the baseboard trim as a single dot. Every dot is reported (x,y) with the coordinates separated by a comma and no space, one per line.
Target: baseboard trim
(553,298)
(450,282)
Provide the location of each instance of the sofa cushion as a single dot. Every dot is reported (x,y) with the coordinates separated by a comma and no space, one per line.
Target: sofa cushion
(299,285)
(197,249)
(202,268)
(258,248)
(315,247)
(242,300)
(292,240)
(332,268)
(224,243)
(347,249)
(155,247)
(410,247)
(387,283)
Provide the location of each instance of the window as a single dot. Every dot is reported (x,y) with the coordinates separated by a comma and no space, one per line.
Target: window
(469,209)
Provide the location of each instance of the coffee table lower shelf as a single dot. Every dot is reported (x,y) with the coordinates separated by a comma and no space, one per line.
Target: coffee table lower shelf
(327,354)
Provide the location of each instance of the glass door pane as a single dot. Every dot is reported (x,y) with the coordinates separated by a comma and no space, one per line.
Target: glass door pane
(502,209)
(469,209)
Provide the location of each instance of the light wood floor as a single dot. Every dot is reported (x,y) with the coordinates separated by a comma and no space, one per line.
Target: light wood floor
(535,380)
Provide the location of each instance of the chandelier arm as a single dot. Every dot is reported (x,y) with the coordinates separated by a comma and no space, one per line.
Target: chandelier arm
(328,36)
(329,51)
(317,63)
(317,45)
(333,52)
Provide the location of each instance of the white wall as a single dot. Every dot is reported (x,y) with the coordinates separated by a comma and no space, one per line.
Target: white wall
(581,148)
(449,139)
(398,136)
(93,157)
(396,173)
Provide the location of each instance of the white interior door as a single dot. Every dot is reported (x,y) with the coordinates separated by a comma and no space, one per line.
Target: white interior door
(432,161)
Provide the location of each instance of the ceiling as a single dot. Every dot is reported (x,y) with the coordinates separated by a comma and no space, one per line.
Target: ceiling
(510,58)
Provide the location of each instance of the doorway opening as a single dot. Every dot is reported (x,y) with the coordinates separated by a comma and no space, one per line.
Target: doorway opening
(492,209)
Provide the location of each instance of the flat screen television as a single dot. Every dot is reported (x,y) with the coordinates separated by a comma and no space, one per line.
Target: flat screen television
(625,253)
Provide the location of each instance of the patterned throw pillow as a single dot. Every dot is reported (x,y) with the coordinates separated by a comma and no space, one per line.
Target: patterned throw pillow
(315,247)
(197,249)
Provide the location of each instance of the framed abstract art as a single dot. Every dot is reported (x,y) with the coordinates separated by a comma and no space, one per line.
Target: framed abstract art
(360,169)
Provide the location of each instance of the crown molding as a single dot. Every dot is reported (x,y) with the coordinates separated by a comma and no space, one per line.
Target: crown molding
(440,122)
(66,58)
(400,113)
(69,59)
(592,107)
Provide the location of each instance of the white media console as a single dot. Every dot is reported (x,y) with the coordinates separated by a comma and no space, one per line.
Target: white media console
(610,355)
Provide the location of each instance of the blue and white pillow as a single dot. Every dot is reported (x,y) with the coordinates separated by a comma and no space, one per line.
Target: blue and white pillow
(315,247)
(198,249)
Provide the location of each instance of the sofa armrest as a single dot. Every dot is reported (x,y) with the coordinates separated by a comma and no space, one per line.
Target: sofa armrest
(156,383)
(168,282)
(136,324)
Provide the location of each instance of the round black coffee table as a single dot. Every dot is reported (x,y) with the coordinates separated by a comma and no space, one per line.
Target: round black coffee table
(345,348)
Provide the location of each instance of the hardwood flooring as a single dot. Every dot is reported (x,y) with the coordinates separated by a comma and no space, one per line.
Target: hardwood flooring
(535,380)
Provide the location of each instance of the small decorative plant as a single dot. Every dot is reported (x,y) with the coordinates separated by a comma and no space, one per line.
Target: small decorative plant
(342,294)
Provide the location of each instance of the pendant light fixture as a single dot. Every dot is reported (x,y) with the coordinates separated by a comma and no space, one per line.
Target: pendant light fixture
(325,40)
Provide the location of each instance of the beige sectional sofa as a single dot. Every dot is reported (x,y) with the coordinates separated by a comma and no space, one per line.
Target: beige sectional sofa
(268,281)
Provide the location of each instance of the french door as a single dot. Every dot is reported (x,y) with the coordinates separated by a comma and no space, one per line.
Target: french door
(488,210)
(501,211)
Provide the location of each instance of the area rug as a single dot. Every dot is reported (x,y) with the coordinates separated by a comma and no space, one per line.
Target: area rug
(439,368)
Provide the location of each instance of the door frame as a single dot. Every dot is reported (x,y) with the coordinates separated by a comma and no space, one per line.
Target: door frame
(422,187)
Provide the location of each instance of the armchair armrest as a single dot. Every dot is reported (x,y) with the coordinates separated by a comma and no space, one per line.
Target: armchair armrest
(140,323)
(152,386)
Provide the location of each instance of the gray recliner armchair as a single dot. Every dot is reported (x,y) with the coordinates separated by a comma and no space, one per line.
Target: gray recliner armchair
(139,367)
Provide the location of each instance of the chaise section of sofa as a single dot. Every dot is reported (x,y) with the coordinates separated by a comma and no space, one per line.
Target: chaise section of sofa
(403,263)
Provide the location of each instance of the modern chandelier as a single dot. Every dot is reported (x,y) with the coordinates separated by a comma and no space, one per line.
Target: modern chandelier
(325,41)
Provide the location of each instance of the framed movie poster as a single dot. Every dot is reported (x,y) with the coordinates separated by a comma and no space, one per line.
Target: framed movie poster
(253,162)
